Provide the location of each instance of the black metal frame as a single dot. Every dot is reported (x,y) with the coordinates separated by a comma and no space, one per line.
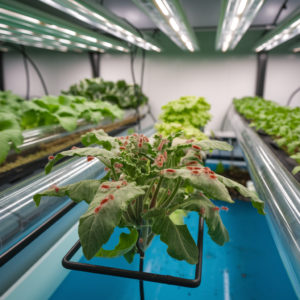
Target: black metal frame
(1,72)
(142,276)
(262,59)
(95,63)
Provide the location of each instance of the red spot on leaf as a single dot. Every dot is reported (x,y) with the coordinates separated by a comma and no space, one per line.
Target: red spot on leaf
(89,158)
(50,157)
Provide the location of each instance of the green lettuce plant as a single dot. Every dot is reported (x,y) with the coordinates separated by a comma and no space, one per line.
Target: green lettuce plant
(187,111)
(10,134)
(143,187)
(282,123)
(65,110)
(120,93)
(188,131)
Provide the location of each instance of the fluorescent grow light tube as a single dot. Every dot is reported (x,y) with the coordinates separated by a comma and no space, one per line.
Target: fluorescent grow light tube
(285,31)
(98,16)
(49,27)
(169,17)
(235,19)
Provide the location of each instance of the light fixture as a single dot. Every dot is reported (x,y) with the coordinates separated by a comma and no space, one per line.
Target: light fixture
(162,7)
(5,32)
(25,31)
(296,50)
(107,44)
(235,19)
(18,18)
(285,31)
(99,17)
(169,17)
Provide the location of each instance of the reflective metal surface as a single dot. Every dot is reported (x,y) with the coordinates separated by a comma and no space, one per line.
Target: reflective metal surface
(281,193)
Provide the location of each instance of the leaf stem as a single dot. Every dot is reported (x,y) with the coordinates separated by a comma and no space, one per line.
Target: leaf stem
(163,198)
(113,170)
(149,190)
(153,201)
(172,196)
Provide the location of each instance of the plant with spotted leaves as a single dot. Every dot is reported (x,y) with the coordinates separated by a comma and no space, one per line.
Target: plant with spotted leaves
(143,187)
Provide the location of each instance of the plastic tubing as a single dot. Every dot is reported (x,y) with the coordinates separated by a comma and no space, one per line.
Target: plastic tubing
(281,193)
(18,214)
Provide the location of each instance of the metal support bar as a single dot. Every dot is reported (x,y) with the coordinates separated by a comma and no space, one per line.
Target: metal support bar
(95,63)
(281,192)
(1,72)
(262,58)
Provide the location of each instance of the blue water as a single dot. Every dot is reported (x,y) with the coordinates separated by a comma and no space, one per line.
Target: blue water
(248,267)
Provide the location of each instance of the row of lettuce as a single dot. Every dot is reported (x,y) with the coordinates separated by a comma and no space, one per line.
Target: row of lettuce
(282,123)
(91,100)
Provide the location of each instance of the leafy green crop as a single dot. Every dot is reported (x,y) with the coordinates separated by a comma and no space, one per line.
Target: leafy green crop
(188,111)
(280,122)
(120,93)
(11,103)
(10,134)
(189,131)
(143,187)
(65,110)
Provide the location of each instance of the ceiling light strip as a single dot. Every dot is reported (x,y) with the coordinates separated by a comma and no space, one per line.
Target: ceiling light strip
(235,19)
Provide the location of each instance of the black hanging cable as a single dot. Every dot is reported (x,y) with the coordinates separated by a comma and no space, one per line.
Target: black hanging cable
(34,66)
(282,7)
(27,73)
(143,64)
(292,96)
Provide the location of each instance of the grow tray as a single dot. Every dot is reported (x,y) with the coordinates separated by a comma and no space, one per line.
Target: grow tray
(139,275)
(282,156)
(34,157)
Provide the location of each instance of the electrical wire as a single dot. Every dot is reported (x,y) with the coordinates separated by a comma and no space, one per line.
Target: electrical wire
(292,96)
(35,68)
(27,73)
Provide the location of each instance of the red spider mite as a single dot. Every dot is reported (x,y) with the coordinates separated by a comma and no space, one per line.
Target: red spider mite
(200,194)
(195,173)
(124,182)
(50,157)
(127,137)
(190,168)
(106,169)
(74,147)
(196,147)
(141,240)
(125,143)
(140,145)
(197,168)
(170,171)
(198,156)
(207,168)
(111,197)
(104,186)
(133,202)
(169,192)
(122,148)
(104,201)
(118,186)
(122,138)
(89,158)
(216,208)
(211,172)
(97,209)
(212,176)
(135,134)
(224,208)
